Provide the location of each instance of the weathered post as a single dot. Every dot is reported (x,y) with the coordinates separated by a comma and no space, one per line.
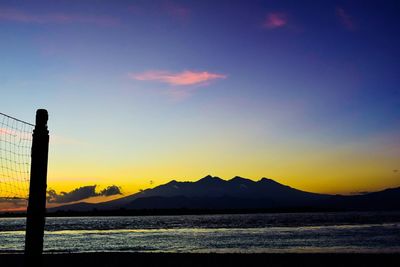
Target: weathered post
(37,191)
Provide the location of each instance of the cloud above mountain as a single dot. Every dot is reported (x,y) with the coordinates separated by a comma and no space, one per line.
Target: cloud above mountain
(81,193)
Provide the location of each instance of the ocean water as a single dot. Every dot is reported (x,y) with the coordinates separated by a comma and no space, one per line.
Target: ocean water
(373,232)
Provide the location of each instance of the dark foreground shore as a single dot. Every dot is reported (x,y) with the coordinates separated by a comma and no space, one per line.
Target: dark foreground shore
(194,260)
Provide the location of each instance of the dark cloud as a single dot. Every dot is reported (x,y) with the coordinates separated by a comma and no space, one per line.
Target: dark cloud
(111,190)
(81,193)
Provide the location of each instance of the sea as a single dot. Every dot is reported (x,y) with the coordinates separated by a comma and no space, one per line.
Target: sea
(342,232)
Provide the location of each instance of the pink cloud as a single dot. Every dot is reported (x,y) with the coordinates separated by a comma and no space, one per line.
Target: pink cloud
(169,8)
(135,9)
(177,11)
(4,131)
(21,16)
(182,78)
(345,19)
(14,134)
(275,20)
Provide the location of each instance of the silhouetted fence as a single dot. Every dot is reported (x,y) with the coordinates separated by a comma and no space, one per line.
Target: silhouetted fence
(23,176)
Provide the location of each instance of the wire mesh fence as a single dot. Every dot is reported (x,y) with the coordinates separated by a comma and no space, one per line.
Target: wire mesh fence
(15,160)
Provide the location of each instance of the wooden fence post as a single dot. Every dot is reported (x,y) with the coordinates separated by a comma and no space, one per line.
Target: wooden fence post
(37,191)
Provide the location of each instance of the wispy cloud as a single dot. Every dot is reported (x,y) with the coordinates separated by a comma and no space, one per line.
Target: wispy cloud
(15,135)
(169,8)
(275,20)
(180,93)
(177,11)
(345,19)
(21,16)
(4,131)
(13,204)
(183,78)
(63,140)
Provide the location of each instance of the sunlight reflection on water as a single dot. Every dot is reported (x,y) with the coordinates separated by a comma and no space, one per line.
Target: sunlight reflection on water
(254,233)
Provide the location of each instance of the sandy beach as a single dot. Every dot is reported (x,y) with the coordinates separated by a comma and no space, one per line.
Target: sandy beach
(220,260)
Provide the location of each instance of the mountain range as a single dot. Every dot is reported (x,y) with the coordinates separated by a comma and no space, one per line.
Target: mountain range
(239,193)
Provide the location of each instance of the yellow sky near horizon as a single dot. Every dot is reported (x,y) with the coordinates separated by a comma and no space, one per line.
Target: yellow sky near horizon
(360,166)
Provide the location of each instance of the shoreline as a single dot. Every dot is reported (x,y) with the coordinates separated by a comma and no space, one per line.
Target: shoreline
(179,212)
(115,259)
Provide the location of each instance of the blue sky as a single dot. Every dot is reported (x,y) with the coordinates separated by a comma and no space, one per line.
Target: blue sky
(304,92)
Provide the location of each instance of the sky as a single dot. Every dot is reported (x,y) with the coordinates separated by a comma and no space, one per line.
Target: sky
(143,92)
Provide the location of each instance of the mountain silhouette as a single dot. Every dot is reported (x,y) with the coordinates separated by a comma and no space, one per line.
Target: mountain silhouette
(239,193)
